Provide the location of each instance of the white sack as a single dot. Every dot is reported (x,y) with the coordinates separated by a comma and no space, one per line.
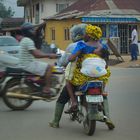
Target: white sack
(94,67)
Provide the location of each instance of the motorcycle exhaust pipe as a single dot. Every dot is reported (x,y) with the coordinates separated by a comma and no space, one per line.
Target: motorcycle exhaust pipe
(23,96)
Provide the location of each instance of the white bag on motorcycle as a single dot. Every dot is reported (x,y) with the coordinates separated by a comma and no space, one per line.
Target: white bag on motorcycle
(94,67)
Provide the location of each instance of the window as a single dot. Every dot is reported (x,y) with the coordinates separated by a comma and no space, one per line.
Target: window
(103,28)
(42,7)
(52,33)
(66,34)
(123,34)
(27,12)
(27,16)
(113,30)
(33,11)
(37,13)
(60,7)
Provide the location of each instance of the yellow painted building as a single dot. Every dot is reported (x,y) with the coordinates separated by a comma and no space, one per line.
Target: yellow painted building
(57,31)
(116,24)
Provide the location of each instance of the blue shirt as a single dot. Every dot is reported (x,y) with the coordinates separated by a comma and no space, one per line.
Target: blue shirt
(104,44)
(85,49)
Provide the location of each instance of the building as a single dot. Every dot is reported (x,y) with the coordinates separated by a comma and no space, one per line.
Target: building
(115,17)
(0,27)
(36,10)
(10,25)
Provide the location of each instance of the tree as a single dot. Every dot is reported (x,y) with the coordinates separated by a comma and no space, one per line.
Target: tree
(4,12)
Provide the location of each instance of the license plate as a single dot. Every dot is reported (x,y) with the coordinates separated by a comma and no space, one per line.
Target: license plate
(94,98)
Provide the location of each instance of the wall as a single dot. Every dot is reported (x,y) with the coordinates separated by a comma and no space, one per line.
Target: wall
(49,8)
(139,32)
(59,31)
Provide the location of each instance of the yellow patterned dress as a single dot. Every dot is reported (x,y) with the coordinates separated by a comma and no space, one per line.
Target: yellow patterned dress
(79,78)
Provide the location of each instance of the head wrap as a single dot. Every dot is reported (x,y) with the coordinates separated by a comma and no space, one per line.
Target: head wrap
(93,32)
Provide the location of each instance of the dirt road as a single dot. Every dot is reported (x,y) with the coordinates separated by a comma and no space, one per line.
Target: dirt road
(126,64)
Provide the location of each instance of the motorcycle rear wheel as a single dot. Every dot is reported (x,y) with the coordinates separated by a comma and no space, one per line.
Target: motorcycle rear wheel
(15,103)
(89,126)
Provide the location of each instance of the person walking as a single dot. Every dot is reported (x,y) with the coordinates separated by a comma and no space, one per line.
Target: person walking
(134,44)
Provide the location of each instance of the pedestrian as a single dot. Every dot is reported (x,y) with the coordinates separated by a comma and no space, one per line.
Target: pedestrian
(134,44)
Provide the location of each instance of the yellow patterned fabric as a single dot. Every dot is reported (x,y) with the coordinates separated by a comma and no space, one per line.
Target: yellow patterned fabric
(94,32)
(79,78)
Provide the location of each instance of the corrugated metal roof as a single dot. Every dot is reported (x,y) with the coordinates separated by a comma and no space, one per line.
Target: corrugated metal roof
(99,8)
(12,22)
(128,4)
(70,14)
(88,5)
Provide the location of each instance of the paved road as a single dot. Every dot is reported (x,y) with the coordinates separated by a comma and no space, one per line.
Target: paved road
(32,124)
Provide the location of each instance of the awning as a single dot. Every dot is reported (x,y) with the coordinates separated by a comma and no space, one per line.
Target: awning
(10,29)
(37,27)
(110,19)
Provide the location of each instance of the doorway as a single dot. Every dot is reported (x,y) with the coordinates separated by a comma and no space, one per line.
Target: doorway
(123,34)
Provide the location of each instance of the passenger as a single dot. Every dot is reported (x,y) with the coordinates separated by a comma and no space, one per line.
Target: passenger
(92,45)
(77,33)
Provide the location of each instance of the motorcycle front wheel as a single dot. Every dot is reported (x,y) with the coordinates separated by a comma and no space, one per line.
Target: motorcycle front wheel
(16,103)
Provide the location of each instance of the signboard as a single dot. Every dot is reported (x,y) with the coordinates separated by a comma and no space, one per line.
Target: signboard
(113,47)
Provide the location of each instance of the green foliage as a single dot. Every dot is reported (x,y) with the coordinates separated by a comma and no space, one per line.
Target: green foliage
(4,12)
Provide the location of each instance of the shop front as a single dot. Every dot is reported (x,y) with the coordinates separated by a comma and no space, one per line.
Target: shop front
(116,28)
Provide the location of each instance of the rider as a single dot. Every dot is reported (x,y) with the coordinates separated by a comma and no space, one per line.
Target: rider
(64,98)
(28,54)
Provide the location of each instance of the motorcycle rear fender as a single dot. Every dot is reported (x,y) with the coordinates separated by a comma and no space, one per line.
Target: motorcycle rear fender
(92,111)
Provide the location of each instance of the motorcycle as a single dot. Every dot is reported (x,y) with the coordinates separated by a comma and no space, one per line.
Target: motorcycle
(90,99)
(22,87)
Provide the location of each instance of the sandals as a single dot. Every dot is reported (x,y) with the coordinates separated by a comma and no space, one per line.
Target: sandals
(72,109)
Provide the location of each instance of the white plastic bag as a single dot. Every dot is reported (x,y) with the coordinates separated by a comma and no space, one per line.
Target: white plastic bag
(94,67)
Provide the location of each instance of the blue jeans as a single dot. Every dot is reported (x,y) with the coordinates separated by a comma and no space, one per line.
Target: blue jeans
(134,51)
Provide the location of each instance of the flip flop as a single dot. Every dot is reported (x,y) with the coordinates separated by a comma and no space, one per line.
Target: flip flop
(72,109)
